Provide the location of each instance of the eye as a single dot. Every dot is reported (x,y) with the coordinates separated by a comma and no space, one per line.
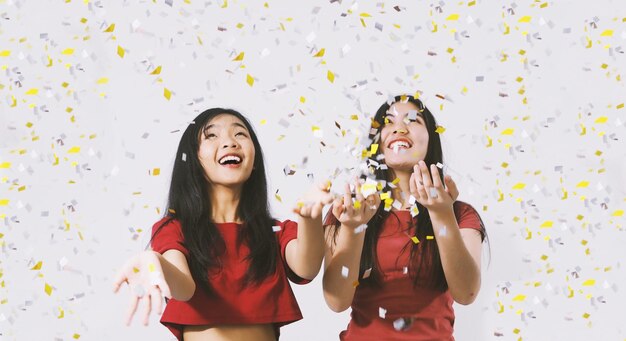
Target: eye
(241,133)
(209,136)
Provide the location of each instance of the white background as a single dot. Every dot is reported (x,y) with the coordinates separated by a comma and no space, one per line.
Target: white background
(543,81)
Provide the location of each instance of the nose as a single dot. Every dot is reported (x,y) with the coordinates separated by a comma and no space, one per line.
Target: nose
(229,142)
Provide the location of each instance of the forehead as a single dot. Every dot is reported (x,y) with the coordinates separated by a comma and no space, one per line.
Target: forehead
(402,108)
(224,120)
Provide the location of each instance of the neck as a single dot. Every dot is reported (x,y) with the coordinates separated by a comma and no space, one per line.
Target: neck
(402,192)
(224,203)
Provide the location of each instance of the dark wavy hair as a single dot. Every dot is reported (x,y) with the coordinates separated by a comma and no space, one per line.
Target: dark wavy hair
(190,204)
(425,262)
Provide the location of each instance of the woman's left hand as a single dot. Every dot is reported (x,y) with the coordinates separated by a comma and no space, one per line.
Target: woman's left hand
(311,205)
(429,191)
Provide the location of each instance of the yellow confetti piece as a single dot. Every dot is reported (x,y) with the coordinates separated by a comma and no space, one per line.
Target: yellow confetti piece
(519,298)
(37,266)
(151,267)
(74,150)
(102,80)
(239,57)
(61,313)
(278,197)
(546,224)
(320,53)
(5,165)
(365,15)
(525,19)
(582,184)
(5,53)
(357,204)
(440,130)
(68,52)
(330,76)
(302,99)
(167,93)
(48,289)
(120,51)
(156,71)
(606,33)
(589,282)
(453,17)
(586,315)
(618,213)
(508,131)
(135,270)
(415,240)
(156,171)
(519,185)
(110,29)
(249,80)
(602,119)
(430,237)
(385,196)
(32,91)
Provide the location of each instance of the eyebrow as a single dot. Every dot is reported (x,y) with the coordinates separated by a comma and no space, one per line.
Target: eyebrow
(237,124)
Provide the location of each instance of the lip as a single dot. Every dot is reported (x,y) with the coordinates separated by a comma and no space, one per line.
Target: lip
(400,139)
(235,165)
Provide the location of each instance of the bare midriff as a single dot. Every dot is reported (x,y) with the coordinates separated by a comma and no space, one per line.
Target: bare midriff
(260,332)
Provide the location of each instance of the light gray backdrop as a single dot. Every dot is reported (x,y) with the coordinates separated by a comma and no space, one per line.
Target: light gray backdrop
(530,93)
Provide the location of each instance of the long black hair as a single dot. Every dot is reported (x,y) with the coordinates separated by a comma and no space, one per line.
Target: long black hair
(424,262)
(190,204)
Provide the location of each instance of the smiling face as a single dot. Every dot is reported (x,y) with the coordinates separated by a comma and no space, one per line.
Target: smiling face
(226,151)
(404,137)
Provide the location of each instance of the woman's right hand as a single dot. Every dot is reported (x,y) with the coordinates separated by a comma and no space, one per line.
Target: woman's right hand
(357,213)
(144,275)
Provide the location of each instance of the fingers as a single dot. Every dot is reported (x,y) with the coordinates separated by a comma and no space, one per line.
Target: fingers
(347,200)
(426,179)
(337,207)
(420,193)
(134,301)
(451,187)
(357,189)
(435,175)
(120,278)
(148,304)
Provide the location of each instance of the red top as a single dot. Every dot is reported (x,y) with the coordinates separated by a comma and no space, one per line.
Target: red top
(422,313)
(271,301)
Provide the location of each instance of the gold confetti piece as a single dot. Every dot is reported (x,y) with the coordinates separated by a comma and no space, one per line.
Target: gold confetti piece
(110,29)
(5,53)
(415,240)
(5,165)
(249,80)
(239,57)
(365,15)
(330,76)
(76,336)
(357,204)
(589,282)
(546,224)
(120,51)
(320,53)
(618,213)
(543,5)
(374,148)
(525,19)
(32,91)
(602,119)
(519,185)
(440,130)
(156,171)
(430,237)
(167,93)
(453,17)
(68,52)
(156,71)
(582,184)
(471,3)
(385,196)
(74,150)
(37,266)
(61,313)
(519,298)
(102,80)
(302,99)
(151,267)
(508,131)
(48,289)
(586,315)
(263,122)
(278,197)
(606,33)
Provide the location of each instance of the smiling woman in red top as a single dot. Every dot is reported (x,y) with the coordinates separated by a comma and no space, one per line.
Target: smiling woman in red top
(419,252)
(218,255)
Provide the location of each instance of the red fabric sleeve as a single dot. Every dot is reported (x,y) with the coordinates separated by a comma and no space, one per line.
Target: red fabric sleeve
(288,232)
(468,218)
(167,234)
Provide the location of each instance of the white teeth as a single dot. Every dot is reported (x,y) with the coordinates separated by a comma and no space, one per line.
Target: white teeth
(227,158)
(399,144)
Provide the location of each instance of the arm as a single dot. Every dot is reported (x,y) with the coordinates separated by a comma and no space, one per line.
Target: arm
(304,254)
(459,249)
(345,250)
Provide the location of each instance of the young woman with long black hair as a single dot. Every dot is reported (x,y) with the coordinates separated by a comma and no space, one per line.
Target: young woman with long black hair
(419,251)
(218,255)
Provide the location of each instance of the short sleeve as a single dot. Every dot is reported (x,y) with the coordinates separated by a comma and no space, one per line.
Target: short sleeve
(167,234)
(288,232)
(468,218)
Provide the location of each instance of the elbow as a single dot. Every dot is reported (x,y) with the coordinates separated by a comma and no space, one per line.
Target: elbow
(466,299)
(187,293)
(335,304)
